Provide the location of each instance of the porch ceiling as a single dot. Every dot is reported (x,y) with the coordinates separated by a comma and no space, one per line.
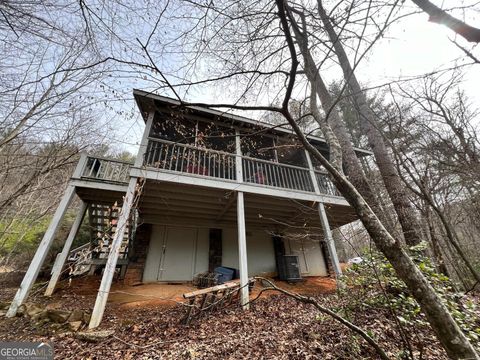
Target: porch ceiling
(179,204)
(169,203)
(99,196)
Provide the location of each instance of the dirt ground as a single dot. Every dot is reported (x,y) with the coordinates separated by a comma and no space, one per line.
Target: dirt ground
(165,294)
(146,324)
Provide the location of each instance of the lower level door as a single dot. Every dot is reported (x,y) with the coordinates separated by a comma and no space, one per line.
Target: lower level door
(178,254)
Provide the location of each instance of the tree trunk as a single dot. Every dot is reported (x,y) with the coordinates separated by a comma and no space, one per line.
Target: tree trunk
(397,192)
(350,161)
(339,245)
(448,332)
(435,244)
(439,16)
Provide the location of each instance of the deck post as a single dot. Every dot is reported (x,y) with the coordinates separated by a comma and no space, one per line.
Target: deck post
(312,173)
(82,162)
(139,160)
(41,253)
(242,251)
(329,239)
(111,264)
(242,235)
(62,257)
(238,157)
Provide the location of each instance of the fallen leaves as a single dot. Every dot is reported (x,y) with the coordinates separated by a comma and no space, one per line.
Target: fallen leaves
(276,327)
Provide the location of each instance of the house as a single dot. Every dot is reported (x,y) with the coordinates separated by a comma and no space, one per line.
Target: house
(207,188)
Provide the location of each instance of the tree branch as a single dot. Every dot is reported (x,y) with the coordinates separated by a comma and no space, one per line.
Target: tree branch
(439,16)
(324,310)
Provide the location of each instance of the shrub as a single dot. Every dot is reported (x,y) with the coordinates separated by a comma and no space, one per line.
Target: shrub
(377,284)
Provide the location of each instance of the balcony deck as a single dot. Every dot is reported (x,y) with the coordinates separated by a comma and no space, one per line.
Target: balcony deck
(179,163)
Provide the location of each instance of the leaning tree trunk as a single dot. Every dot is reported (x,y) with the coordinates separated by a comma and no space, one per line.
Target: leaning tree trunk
(393,183)
(351,163)
(447,330)
(340,246)
(435,243)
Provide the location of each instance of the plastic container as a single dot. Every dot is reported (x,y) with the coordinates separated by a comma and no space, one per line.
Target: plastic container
(226,274)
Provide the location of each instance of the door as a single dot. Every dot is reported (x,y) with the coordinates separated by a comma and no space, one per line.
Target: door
(178,254)
(214,249)
(309,255)
(298,247)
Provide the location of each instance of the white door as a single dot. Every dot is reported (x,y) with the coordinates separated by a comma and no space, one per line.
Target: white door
(297,247)
(178,254)
(309,254)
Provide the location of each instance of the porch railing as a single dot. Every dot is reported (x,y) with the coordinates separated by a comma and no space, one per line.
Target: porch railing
(167,155)
(325,184)
(106,169)
(274,174)
(183,158)
(189,159)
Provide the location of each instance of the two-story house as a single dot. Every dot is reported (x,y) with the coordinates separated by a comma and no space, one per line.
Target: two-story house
(207,188)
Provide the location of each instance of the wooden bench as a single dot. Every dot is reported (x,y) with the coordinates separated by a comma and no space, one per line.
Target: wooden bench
(206,300)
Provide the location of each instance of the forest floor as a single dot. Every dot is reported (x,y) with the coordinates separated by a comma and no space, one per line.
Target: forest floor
(276,327)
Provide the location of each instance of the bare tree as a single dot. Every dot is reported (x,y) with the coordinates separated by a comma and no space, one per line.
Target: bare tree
(258,48)
(436,144)
(448,332)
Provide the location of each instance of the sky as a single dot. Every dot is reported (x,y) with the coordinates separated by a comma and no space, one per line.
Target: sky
(415,47)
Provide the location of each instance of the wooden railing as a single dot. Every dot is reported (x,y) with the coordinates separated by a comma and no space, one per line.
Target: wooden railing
(325,184)
(183,158)
(171,156)
(167,155)
(277,175)
(106,169)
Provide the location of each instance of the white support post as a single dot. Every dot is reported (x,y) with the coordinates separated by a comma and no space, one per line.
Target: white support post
(238,157)
(329,240)
(242,235)
(144,142)
(41,253)
(242,252)
(62,257)
(312,173)
(109,271)
(82,162)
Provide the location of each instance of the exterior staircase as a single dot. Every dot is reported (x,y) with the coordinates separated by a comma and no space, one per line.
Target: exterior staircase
(92,256)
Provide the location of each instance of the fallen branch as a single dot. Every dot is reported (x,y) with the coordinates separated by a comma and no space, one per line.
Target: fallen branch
(324,310)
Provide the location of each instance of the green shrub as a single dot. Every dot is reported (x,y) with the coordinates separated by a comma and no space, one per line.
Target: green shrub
(21,236)
(377,284)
